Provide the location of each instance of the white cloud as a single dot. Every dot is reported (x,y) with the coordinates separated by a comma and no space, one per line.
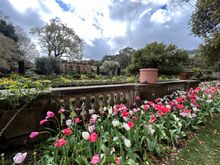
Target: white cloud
(144,13)
(89,19)
(160,16)
(105,25)
(160,2)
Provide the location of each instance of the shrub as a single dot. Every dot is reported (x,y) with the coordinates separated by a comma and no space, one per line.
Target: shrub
(217,67)
(22,91)
(76,76)
(91,75)
(167,58)
(47,65)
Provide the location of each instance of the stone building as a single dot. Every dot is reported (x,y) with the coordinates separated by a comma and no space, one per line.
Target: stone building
(79,67)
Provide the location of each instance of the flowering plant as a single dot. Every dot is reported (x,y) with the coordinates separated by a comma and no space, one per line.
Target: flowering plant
(122,135)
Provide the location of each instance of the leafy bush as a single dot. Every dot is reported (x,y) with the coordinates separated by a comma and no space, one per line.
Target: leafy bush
(22,91)
(47,65)
(167,58)
(217,67)
(91,75)
(76,76)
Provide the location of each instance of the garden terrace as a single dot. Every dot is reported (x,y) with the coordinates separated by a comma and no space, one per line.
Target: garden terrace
(14,128)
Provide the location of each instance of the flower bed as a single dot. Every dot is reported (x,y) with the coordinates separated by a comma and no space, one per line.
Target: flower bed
(122,135)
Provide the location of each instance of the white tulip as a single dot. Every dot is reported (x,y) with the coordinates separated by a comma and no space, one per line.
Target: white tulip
(126,126)
(115,138)
(85,135)
(168,106)
(151,130)
(127,143)
(115,123)
(91,128)
(94,116)
(91,111)
(110,111)
(68,122)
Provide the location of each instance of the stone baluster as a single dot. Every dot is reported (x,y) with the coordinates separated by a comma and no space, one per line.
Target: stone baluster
(72,104)
(101,102)
(108,100)
(92,102)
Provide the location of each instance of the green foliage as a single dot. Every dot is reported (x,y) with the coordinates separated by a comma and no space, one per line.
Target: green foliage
(123,57)
(205,23)
(167,58)
(21,91)
(91,75)
(217,67)
(206,18)
(8,30)
(210,50)
(109,67)
(47,65)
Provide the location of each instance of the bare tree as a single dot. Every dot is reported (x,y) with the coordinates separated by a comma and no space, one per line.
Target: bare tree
(26,46)
(59,40)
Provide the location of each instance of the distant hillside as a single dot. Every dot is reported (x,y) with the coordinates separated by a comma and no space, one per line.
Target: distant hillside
(192,52)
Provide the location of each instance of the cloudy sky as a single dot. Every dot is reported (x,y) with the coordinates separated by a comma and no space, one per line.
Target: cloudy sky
(107,26)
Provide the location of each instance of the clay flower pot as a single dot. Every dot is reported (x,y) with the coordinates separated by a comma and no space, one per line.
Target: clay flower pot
(148,75)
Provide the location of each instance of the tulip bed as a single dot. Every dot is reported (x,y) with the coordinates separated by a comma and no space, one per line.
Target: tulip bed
(120,135)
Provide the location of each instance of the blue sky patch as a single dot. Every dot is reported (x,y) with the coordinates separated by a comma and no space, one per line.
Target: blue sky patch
(63,5)
(164,7)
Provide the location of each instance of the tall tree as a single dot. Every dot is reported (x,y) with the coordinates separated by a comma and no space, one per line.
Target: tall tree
(59,40)
(205,19)
(210,49)
(167,58)
(205,23)
(26,46)
(8,30)
(124,57)
(110,67)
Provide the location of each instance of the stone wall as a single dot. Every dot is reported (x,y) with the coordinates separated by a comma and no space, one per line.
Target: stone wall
(16,125)
(75,67)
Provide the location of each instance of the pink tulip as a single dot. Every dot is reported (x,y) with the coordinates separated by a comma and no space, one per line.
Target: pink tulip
(95,159)
(19,157)
(61,110)
(138,98)
(145,107)
(33,134)
(152,119)
(50,114)
(60,142)
(117,160)
(67,131)
(44,121)
(130,124)
(93,137)
(77,120)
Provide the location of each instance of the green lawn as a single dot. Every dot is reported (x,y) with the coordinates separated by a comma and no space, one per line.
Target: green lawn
(203,149)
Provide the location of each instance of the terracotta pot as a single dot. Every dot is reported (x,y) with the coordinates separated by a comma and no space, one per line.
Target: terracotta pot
(148,75)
